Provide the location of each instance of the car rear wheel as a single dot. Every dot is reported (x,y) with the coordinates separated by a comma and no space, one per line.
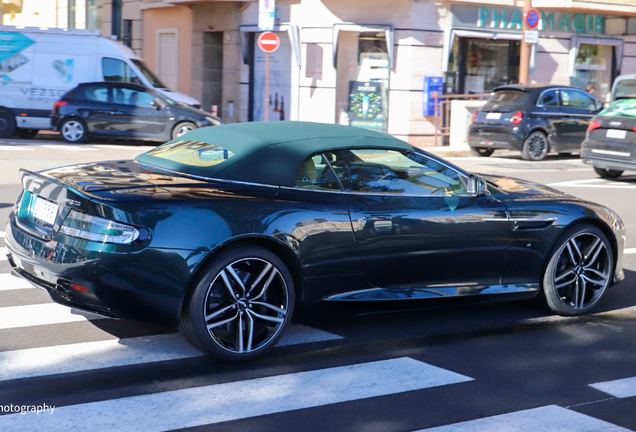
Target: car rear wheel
(482,151)
(74,130)
(579,271)
(7,124)
(241,304)
(535,147)
(182,128)
(608,173)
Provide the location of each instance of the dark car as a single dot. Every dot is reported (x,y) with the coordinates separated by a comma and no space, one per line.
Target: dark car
(610,145)
(227,232)
(533,119)
(121,110)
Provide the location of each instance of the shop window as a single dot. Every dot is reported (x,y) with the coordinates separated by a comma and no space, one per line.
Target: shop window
(363,67)
(595,67)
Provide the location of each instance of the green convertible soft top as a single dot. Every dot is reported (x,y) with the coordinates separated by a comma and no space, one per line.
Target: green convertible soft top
(270,152)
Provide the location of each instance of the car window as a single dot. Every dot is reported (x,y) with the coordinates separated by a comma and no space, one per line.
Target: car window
(96,93)
(118,71)
(625,87)
(506,98)
(549,99)
(128,96)
(577,99)
(395,172)
(315,174)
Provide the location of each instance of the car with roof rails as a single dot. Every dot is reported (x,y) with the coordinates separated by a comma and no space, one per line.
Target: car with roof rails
(532,119)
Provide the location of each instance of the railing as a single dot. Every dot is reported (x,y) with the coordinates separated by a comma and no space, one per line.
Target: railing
(443,113)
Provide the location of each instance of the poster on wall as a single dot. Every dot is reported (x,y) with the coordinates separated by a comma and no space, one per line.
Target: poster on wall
(432,85)
(280,67)
(367,105)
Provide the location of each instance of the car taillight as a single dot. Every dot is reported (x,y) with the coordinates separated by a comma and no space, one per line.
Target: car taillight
(516,117)
(474,116)
(59,104)
(593,125)
(97,229)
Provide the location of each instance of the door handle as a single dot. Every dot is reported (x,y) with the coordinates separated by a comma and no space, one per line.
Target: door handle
(378,218)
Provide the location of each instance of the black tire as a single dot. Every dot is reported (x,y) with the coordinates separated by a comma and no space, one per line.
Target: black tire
(608,173)
(27,133)
(535,147)
(482,151)
(74,130)
(7,123)
(212,303)
(182,128)
(570,286)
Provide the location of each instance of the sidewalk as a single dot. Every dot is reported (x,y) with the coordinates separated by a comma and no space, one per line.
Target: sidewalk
(449,151)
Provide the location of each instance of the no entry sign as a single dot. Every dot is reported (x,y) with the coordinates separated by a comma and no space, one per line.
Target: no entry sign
(532,19)
(268,42)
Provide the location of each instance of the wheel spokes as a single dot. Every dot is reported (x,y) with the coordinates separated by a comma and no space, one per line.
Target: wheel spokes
(236,277)
(594,281)
(217,313)
(597,248)
(578,251)
(260,277)
(268,282)
(564,274)
(266,317)
(278,310)
(250,331)
(228,285)
(219,323)
(566,283)
(582,296)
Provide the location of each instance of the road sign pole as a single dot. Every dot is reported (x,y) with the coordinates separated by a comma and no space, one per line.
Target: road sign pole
(267,87)
(524,54)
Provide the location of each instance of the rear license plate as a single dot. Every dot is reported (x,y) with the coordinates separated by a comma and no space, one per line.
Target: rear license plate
(45,211)
(615,133)
(493,116)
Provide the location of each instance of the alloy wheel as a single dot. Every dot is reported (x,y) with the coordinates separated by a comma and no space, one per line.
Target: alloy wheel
(583,271)
(537,146)
(182,130)
(246,305)
(73,130)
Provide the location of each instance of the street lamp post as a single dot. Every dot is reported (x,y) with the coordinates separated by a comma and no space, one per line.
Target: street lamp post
(524,54)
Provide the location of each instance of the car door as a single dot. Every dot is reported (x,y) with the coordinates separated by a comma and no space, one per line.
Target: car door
(137,113)
(416,226)
(94,103)
(548,110)
(577,108)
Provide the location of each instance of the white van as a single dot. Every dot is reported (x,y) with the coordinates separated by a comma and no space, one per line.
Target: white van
(624,85)
(38,66)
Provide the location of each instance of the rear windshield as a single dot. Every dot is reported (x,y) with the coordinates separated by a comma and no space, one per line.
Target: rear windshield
(506,98)
(191,154)
(620,108)
(625,88)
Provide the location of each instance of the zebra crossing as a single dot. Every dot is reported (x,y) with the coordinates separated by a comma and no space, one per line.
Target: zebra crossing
(252,395)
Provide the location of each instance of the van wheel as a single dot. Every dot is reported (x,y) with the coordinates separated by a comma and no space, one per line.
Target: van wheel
(182,128)
(7,124)
(608,173)
(482,151)
(535,147)
(74,130)
(27,133)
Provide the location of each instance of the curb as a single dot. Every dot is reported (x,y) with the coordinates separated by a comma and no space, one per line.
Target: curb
(449,151)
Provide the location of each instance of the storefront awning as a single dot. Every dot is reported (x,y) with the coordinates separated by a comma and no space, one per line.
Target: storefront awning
(451,33)
(360,28)
(293,31)
(577,41)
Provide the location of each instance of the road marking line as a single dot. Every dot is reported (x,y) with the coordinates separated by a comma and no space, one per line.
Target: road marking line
(629,251)
(239,400)
(51,360)
(1,234)
(10,282)
(588,183)
(16,148)
(620,388)
(3,253)
(68,147)
(124,147)
(548,418)
(41,314)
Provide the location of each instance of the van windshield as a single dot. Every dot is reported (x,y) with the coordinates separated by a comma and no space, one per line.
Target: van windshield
(154,79)
(625,88)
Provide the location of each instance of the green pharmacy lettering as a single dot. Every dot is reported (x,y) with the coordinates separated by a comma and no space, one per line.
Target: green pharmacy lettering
(564,23)
(578,23)
(515,20)
(547,21)
(484,16)
(499,18)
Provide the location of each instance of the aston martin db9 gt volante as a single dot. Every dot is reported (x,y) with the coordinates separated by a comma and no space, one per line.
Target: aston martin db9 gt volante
(227,232)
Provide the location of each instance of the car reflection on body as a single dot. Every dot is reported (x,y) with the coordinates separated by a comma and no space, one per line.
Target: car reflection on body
(228,232)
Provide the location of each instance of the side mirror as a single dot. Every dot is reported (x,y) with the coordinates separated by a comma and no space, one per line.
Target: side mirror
(475,186)
(158,105)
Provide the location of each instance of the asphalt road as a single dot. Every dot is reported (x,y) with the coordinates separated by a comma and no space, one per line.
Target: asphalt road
(496,367)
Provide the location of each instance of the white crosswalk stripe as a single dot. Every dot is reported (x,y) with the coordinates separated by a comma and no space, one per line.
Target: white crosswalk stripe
(548,418)
(241,399)
(9,282)
(15,148)
(41,314)
(69,148)
(1,234)
(3,254)
(620,388)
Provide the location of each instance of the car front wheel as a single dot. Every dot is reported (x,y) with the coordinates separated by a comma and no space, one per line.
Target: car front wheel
(240,305)
(608,173)
(182,128)
(535,147)
(74,130)
(579,271)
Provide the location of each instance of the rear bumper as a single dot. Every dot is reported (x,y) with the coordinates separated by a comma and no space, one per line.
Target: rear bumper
(609,155)
(145,285)
(497,137)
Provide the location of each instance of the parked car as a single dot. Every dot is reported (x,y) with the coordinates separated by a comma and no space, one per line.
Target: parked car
(610,145)
(118,110)
(39,65)
(624,85)
(533,119)
(228,231)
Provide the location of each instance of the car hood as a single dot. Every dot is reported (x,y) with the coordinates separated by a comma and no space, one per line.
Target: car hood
(516,186)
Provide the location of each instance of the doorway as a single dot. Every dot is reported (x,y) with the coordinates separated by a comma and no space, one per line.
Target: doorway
(212,92)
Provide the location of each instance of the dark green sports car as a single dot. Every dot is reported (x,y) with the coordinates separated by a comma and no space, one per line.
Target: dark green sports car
(227,232)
